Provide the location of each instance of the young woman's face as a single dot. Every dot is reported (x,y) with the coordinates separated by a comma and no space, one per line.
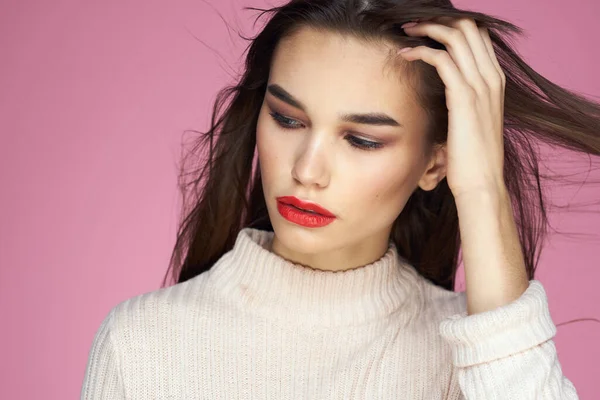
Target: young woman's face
(361,172)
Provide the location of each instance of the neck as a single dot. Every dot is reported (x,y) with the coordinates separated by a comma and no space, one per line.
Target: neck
(341,258)
(260,281)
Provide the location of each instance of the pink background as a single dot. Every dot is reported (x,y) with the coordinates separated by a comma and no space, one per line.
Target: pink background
(94,98)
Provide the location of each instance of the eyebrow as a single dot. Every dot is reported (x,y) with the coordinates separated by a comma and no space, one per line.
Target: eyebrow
(372,118)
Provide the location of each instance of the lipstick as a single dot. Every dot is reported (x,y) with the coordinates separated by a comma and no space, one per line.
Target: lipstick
(304,213)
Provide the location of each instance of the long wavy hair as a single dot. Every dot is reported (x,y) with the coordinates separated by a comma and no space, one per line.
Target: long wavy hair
(225,192)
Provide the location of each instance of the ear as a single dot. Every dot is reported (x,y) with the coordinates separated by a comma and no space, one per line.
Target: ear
(436,168)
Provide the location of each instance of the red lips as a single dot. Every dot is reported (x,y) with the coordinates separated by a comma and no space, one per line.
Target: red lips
(296,202)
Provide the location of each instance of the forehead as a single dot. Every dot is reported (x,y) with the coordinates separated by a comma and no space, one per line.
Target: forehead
(340,71)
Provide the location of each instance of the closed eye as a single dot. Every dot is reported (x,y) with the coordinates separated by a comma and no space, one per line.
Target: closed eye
(288,123)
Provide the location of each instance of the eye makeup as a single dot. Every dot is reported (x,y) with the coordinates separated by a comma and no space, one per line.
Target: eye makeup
(354,141)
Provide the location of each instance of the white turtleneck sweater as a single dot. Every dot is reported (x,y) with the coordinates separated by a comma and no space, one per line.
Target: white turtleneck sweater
(256,326)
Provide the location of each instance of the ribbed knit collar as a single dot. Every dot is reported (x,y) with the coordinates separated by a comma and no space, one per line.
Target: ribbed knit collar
(261,281)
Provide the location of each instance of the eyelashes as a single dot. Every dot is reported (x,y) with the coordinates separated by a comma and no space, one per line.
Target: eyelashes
(288,123)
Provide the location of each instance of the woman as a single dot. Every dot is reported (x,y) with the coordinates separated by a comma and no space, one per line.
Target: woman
(323,266)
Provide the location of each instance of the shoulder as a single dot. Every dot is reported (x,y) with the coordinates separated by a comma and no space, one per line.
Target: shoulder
(150,312)
(434,354)
(440,303)
(147,334)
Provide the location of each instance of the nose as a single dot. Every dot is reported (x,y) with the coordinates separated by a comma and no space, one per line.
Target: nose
(312,165)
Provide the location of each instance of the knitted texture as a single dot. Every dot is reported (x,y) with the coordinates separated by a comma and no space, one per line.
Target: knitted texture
(256,326)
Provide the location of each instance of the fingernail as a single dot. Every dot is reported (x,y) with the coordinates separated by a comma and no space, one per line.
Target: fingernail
(408,25)
(404,49)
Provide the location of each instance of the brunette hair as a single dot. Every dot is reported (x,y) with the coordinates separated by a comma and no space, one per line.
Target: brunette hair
(225,193)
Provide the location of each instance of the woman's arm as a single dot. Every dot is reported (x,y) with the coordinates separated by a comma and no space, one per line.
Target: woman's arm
(495,273)
(102,380)
(502,345)
(508,352)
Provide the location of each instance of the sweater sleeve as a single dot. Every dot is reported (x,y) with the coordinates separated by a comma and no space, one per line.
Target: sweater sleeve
(103,378)
(508,352)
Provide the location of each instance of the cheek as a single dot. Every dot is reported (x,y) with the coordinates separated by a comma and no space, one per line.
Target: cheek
(378,189)
(384,191)
(268,150)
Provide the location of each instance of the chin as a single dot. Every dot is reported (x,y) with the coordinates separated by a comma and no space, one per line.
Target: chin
(298,238)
